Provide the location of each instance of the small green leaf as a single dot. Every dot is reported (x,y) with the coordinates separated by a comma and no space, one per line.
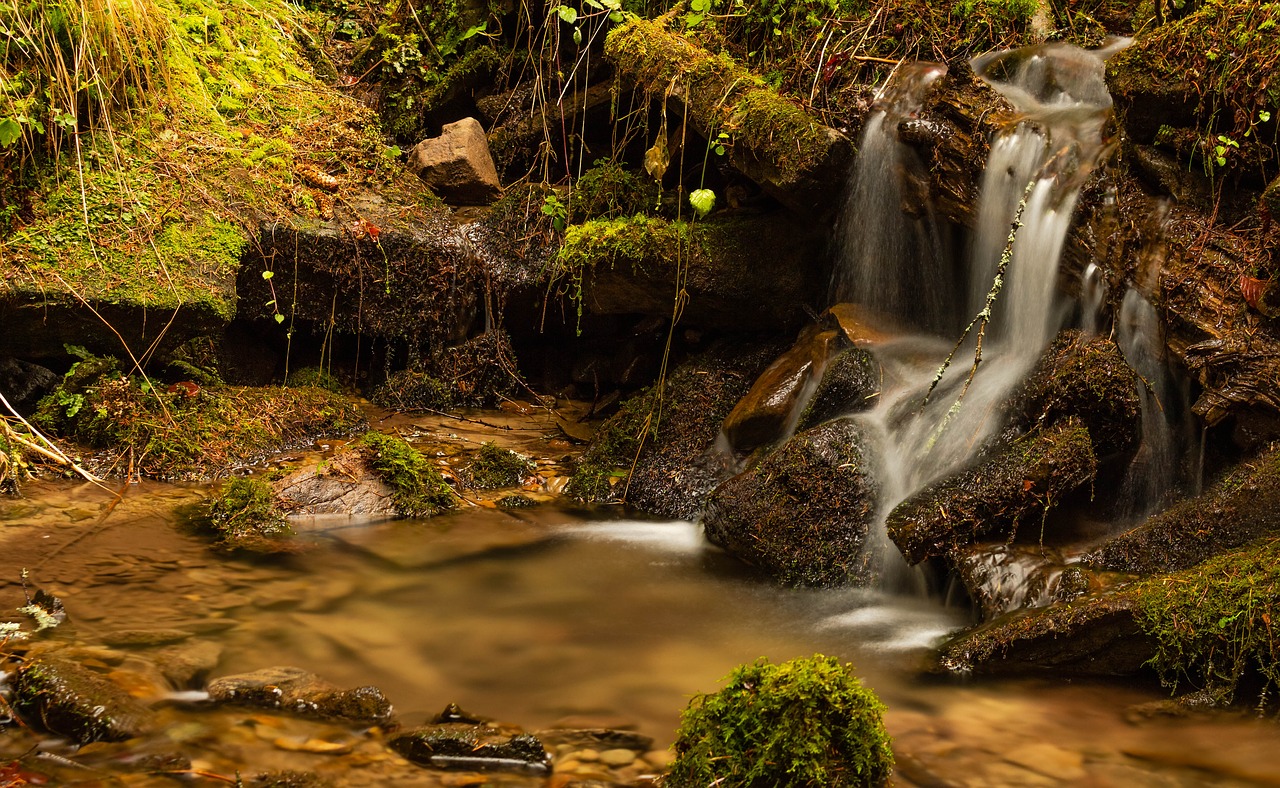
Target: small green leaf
(577,35)
(719,149)
(702,200)
(268,274)
(10,132)
(1264,116)
(616,17)
(279,317)
(474,30)
(594,4)
(567,14)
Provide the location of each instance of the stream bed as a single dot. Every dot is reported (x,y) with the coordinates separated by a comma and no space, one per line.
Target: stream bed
(548,617)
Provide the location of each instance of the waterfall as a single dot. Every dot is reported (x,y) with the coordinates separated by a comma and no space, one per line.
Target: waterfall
(1040,162)
(893,261)
(1155,466)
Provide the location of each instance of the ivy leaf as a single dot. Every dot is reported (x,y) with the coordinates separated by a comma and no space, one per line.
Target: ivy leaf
(1264,116)
(594,4)
(702,200)
(279,317)
(567,14)
(10,132)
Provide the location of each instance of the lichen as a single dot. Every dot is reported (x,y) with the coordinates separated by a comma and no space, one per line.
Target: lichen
(418,489)
(799,723)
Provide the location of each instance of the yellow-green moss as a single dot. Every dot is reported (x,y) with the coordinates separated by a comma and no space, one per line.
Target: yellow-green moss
(494,467)
(246,516)
(417,487)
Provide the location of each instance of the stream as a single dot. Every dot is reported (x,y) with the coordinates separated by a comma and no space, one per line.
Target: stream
(546,617)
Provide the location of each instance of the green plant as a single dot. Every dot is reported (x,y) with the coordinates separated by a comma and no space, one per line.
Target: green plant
(245,516)
(806,722)
(495,467)
(557,211)
(418,489)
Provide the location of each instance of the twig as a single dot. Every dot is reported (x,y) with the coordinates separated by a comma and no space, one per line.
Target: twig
(53,452)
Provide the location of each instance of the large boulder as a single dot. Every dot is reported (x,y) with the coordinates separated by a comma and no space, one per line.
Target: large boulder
(803,513)
(1013,484)
(457,165)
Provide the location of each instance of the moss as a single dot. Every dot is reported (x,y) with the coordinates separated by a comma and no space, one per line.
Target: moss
(608,191)
(721,95)
(849,383)
(1212,623)
(494,466)
(608,460)
(246,516)
(409,390)
(187,431)
(993,497)
(479,372)
(805,722)
(417,487)
(314,377)
(644,244)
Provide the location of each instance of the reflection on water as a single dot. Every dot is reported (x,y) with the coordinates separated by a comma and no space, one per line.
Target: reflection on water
(565,616)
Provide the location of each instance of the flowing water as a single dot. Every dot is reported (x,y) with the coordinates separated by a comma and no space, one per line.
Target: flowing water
(553,617)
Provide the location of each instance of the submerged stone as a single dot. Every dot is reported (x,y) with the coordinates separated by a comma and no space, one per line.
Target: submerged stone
(996,494)
(468,747)
(296,690)
(70,700)
(802,514)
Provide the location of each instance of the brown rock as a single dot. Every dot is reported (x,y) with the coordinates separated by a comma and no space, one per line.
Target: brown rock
(457,165)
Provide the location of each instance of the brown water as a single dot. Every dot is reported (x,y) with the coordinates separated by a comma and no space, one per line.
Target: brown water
(550,616)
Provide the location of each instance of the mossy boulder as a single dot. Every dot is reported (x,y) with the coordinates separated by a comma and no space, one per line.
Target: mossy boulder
(1012,485)
(850,383)
(300,692)
(744,273)
(417,488)
(68,699)
(494,467)
(1242,506)
(473,747)
(246,516)
(658,451)
(803,512)
(804,722)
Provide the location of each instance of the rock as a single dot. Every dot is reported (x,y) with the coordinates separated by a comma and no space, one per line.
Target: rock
(142,638)
(617,758)
(457,165)
(850,383)
(1093,636)
(860,326)
(345,484)
(678,465)
(24,383)
(70,700)
(771,408)
(1242,506)
(473,748)
(598,739)
(995,494)
(802,514)
(1001,578)
(187,665)
(296,690)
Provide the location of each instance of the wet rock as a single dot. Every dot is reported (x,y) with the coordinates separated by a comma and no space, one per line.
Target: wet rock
(772,406)
(494,467)
(457,165)
(24,383)
(478,748)
(678,464)
(1088,378)
(288,779)
(187,665)
(346,484)
(143,638)
(1242,506)
(1002,578)
(295,690)
(850,383)
(801,514)
(1009,486)
(70,700)
(1094,636)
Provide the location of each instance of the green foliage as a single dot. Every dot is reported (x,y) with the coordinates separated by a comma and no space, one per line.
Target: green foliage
(1213,623)
(806,722)
(246,516)
(608,461)
(495,467)
(417,487)
(412,390)
(316,377)
(609,191)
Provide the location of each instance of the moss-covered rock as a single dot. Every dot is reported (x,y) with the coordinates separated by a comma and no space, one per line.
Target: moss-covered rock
(658,452)
(418,489)
(849,384)
(1242,506)
(802,514)
(739,273)
(777,143)
(246,516)
(991,498)
(804,722)
(494,467)
(186,431)
(70,700)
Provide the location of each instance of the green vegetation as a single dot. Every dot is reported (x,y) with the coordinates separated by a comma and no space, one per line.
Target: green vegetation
(245,516)
(417,487)
(185,431)
(494,466)
(608,461)
(608,191)
(1213,622)
(806,722)
(315,377)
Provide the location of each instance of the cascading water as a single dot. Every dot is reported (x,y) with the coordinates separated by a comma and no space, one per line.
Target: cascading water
(1036,170)
(891,248)
(1155,467)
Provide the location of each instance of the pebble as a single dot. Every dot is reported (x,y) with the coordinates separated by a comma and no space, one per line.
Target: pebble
(588,755)
(617,757)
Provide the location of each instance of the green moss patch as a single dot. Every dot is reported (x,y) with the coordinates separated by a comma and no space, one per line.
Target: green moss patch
(803,722)
(245,516)
(494,467)
(417,487)
(186,431)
